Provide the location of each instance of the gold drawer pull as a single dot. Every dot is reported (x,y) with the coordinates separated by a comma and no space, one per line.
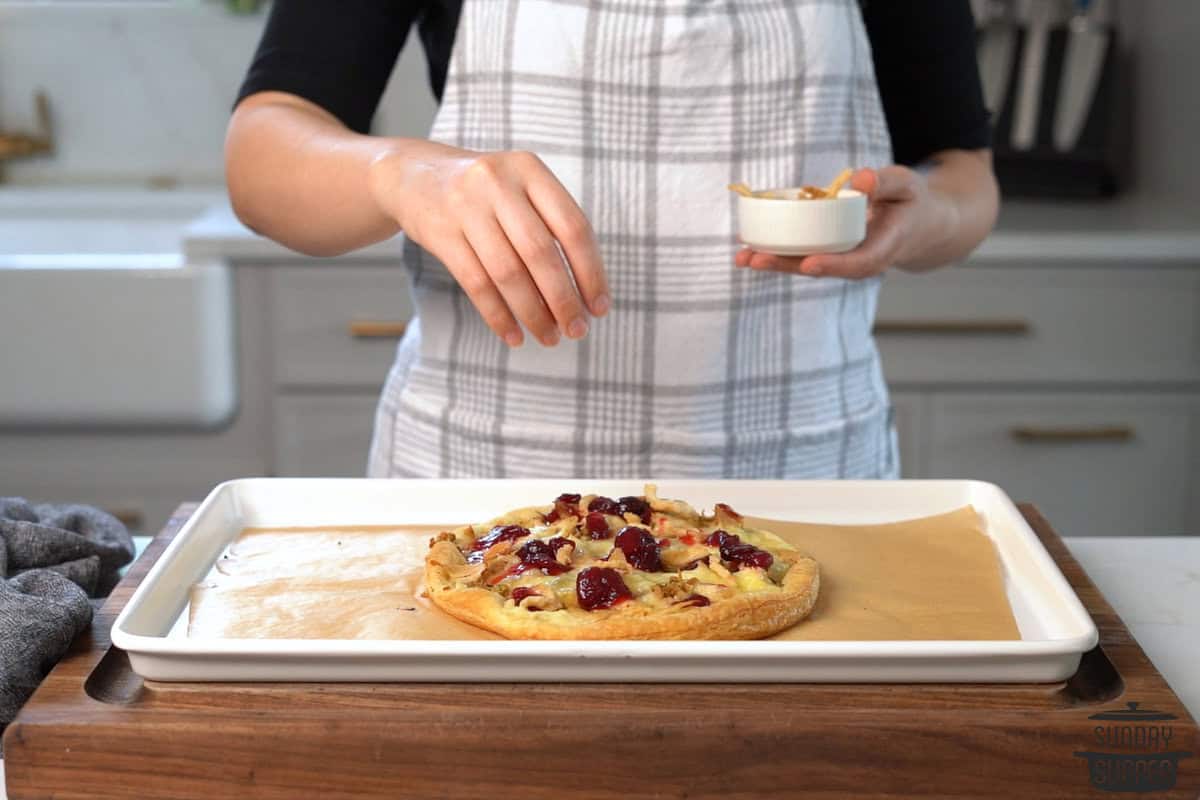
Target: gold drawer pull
(377,328)
(1103,433)
(954,327)
(129,517)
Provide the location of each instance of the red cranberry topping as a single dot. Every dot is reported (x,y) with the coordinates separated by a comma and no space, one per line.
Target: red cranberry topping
(500,533)
(729,512)
(718,538)
(597,525)
(536,554)
(604,505)
(695,562)
(693,601)
(640,549)
(664,542)
(688,539)
(636,505)
(565,505)
(521,592)
(747,555)
(738,553)
(600,587)
(557,542)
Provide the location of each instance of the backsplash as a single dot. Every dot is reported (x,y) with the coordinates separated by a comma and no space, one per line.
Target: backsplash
(142,91)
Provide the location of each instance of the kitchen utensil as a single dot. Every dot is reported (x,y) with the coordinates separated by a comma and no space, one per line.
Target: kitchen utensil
(1087,45)
(1054,627)
(799,227)
(837,183)
(994,53)
(1039,16)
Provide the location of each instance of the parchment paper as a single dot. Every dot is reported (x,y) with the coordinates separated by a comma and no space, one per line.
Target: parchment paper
(936,578)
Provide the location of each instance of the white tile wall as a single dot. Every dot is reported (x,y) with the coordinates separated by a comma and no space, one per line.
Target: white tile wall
(142,90)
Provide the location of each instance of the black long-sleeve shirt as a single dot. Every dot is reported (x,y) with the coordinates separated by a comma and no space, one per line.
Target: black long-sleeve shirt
(339,56)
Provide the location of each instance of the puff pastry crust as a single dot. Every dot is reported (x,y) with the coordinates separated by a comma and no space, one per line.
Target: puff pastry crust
(700,576)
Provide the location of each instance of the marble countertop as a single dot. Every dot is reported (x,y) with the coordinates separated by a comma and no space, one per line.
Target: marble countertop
(1154,584)
(1130,229)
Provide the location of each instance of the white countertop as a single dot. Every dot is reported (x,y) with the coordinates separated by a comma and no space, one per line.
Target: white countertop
(1154,584)
(1126,230)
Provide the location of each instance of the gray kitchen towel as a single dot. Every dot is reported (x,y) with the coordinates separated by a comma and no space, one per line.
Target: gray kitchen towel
(52,558)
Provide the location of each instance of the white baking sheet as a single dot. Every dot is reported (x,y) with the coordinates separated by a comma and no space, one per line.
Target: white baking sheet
(1055,628)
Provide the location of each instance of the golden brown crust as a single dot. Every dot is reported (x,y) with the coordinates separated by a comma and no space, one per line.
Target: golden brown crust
(751,615)
(766,605)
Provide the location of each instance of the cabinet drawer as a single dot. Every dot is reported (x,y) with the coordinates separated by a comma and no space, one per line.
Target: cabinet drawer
(325,436)
(1095,464)
(337,325)
(1055,325)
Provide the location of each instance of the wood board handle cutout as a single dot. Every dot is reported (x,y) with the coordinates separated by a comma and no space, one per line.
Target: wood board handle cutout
(94,729)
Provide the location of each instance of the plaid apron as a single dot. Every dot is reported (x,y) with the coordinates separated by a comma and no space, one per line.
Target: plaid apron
(645,110)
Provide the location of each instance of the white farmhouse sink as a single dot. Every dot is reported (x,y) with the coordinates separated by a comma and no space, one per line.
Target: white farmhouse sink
(101,322)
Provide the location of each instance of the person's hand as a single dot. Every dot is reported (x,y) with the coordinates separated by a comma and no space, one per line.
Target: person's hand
(898,201)
(497,221)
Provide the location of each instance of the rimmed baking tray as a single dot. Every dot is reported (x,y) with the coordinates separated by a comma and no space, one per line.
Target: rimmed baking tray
(1054,627)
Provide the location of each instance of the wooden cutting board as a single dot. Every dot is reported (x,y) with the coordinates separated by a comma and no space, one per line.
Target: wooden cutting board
(95,730)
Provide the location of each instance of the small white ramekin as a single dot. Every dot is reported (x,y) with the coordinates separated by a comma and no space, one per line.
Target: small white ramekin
(803,227)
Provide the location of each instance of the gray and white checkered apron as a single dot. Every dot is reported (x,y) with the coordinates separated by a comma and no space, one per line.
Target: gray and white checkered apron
(645,110)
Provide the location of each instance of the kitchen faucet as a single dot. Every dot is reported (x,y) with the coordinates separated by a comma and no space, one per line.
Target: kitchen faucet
(23,145)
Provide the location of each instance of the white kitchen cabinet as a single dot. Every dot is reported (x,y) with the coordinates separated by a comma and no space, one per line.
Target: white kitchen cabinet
(145,474)
(323,435)
(336,325)
(1096,463)
(1051,325)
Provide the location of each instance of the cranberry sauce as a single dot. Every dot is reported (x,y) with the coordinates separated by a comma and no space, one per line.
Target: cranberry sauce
(565,505)
(604,505)
(600,587)
(640,548)
(737,553)
(636,505)
(521,592)
(500,533)
(536,554)
(596,525)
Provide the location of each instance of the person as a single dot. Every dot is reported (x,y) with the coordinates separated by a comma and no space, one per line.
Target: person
(572,193)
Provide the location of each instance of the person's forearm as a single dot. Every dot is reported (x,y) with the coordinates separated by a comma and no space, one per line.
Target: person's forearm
(965,202)
(300,177)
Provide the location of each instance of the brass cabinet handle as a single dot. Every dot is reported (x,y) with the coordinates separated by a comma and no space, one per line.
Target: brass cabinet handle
(377,328)
(19,145)
(954,327)
(1100,433)
(129,517)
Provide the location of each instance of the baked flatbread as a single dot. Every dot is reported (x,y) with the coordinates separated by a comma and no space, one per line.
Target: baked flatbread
(591,567)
